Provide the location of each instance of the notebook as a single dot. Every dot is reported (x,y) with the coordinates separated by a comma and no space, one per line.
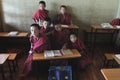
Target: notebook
(66,52)
(52,53)
(118,56)
(13,33)
(106,25)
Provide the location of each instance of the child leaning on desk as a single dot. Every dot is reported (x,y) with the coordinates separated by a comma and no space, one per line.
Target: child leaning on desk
(76,43)
(39,43)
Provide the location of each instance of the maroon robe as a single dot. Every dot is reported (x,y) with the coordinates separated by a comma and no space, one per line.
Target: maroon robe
(64,19)
(115,22)
(79,45)
(38,46)
(84,61)
(59,38)
(40,14)
(44,31)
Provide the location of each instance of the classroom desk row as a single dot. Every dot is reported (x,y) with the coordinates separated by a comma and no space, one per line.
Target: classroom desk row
(113,73)
(25,34)
(9,58)
(39,57)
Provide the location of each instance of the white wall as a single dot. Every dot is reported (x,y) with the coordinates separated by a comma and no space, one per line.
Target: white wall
(18,13)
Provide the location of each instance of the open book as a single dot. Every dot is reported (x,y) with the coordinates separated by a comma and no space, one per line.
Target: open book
(55,53)
(66,52)
(13,33)
(52,53)
(118,56)
(106,25)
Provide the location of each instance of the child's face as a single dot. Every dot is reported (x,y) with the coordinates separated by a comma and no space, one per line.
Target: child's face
(34,31)
(45,24)
(58,28)
(73,38)
(62,10)
(41,6)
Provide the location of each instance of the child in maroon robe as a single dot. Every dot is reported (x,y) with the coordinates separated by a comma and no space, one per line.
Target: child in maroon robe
(60,36)
(63,17)
(76,43)
(39,43)
(45,28)
(40,14)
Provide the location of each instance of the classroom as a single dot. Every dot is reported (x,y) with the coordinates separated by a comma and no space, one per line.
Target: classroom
(59,39)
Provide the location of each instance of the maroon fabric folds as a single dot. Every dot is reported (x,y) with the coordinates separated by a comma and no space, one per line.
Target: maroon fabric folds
(39,45)
(79,45)
(64,19)
(40,14)
(85,60)
(59,38)
(115,22)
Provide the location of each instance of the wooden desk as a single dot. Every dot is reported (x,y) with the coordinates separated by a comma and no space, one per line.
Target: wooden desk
(40,56)
(111,74)
(20,34)
(117,59)
(3,58)
(95,29)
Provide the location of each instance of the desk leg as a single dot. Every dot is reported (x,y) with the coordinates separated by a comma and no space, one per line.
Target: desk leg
(2,72)
(94,41)
(91,40)
(10,70)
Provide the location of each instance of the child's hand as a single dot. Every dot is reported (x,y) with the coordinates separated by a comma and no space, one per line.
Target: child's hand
(64,46)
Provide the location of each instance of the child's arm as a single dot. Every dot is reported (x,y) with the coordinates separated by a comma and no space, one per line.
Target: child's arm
(64,46)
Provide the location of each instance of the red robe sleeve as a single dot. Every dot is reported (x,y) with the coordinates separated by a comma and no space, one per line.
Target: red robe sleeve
(115,22)
(40,14)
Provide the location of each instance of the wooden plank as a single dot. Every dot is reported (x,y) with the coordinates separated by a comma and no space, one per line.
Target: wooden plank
(40,56)
(111,74)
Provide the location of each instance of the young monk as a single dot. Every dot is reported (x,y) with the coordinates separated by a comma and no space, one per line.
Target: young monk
(76,43)
(45,28)
(39,43)
(41,13)
(59,36)
(63,17)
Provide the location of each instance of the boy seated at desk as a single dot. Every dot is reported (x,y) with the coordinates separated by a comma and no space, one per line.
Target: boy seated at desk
(63,17)
(76,43)
(41,13)
(39,43)
(59,37)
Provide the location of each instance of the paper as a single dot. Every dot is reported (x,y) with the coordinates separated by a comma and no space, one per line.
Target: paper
(52,53)
(66,52)
(13,33)
(65,26)
(57,53)
(106,25)
(117,26)
(118,56)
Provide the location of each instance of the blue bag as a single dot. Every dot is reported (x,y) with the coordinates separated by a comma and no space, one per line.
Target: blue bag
(60,73)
